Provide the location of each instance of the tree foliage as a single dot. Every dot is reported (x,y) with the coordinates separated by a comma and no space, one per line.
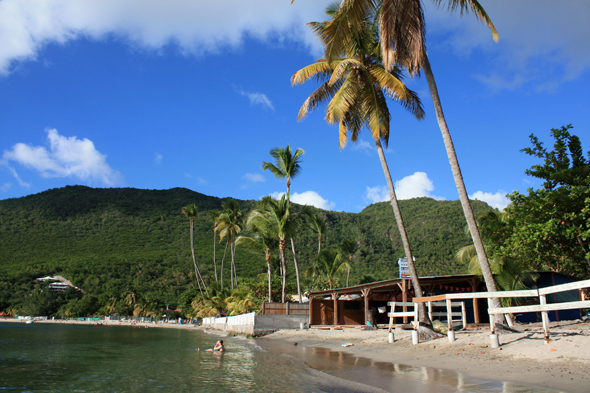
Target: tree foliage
(550,227)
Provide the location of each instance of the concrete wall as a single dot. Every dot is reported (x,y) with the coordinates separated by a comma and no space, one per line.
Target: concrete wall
(263,324)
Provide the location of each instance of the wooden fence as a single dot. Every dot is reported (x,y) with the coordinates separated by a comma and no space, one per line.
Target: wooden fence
(285,309)
(541,293)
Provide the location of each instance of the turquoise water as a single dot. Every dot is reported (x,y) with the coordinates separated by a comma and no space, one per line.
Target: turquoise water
(88,358)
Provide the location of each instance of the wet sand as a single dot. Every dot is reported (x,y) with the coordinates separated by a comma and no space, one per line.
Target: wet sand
(523,358)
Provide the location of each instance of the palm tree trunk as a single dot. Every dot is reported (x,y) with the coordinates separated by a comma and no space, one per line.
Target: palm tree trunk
(284,266)
(231,266)
(296,270)
(469,217)
(197,275)
(214,259)
(268,267)
(235,268)
(347,276)
(222,261)
(423,315)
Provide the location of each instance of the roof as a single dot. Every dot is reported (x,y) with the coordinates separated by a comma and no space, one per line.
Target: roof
(432,280)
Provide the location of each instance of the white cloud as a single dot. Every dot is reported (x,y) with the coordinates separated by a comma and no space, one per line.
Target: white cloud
(254,177)
(20,181)
(497,200)
(158,158)
(191,26)
(362,145)
(377,194)
(310,198)
(547,47)
(64,157)
(258,99)
(201,181)
(414,186)
(5,187)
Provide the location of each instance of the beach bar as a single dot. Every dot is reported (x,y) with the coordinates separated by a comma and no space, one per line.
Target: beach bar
(357,305)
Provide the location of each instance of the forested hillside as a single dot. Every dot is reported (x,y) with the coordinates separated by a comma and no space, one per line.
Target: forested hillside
(108,241)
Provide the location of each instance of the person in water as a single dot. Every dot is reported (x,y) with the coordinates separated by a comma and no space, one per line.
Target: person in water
(217,348)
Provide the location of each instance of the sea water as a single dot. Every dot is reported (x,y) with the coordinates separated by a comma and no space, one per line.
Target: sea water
(89,358)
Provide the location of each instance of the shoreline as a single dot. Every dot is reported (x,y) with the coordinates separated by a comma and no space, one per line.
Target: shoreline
(523,358)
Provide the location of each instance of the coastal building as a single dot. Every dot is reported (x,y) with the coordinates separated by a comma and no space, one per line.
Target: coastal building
(354,305)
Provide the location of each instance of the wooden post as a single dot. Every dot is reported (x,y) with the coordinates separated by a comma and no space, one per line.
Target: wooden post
(335,309)
(544,316)
(405,297)
(310,310)
(450,314)
(492,318)
(463,315)
(475,303)
(287,308)
(430,311)
(366,302)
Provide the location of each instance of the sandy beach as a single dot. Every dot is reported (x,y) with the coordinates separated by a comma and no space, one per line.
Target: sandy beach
(525,357)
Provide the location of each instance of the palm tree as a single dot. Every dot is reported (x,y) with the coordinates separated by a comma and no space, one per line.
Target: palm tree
(231,221)
(274,216)
(191,212)
(264,241)
(348,248)
(317,224)
(403,41)
(329,265)
(286,164)
(355,87)
(214,215)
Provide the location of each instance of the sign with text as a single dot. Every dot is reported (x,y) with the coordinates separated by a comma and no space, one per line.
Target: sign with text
(404,270)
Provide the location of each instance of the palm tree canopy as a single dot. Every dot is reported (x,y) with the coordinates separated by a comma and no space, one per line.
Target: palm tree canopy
(230,221)
(190,211)
(286,163)
(348,248)
(356,85)
(402,27)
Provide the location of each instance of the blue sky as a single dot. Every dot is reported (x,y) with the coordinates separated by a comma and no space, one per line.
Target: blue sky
(163,94)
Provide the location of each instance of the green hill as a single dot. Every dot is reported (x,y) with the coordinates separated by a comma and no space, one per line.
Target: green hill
(107,241)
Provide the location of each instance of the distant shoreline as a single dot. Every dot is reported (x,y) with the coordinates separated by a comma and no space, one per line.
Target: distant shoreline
(166,325)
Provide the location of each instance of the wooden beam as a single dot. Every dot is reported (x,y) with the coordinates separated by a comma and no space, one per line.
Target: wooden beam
(425,299)
(405,298)
(542,307)
(336,309)
(366,293)
(475,302)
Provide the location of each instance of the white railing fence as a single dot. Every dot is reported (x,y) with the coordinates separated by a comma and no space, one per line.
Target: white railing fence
(541,293)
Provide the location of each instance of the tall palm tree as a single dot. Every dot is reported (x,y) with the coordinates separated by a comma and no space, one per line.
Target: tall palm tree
(214,215)
(356,86)
(403,41)
(347,249)
(265,241)
(286,164)
(231,221)
(317,223)
(274,216)
(191,212)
